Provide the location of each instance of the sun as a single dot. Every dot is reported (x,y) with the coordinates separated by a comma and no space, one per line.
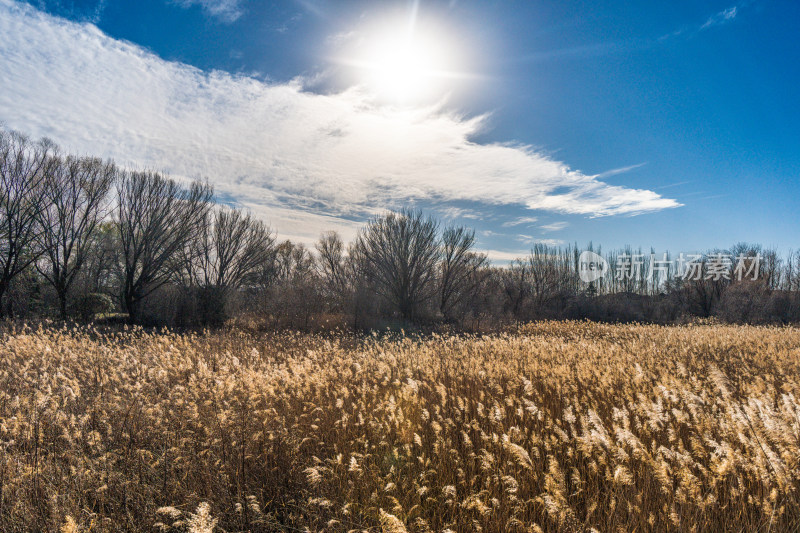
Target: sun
(404,63)
(404,68)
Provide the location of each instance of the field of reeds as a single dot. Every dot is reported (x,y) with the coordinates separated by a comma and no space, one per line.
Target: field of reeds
(555,426)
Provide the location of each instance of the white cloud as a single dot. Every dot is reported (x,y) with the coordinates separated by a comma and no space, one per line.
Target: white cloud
(555,226)
(549,242)
(531,240)
(307,162)
(519,221)
(452,213)
(726,15)
(717,19)
(621,170)
(225,10)
(499,256)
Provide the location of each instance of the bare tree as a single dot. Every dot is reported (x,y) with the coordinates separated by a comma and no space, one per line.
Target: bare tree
(155,218)
(515,281)
(552,275)
(294,291)
(293,261)
(792,271)
(460,269)
(226,255)
(75,192)
(23,167)
(100,272)
(229,249)
(401,254)
(345,279)
(333,265)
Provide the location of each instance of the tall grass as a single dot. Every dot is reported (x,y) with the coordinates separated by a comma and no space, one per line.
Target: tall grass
(556,426)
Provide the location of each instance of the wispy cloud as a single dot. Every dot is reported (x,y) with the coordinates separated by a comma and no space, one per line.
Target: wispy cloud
(531,240)
(722,17)
(501,256)
(550,242)
(312,6)
(224,10)
(519,221)
(676,184)
(336,40)
(717,19)
(304,161)
(555,226)
(84,11)
(621,170)
(452,213)
(714,196)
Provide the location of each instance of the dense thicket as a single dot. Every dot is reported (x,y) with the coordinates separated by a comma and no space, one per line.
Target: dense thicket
(84,239)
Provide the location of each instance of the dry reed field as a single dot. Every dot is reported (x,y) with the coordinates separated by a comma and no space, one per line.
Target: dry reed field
(555,426)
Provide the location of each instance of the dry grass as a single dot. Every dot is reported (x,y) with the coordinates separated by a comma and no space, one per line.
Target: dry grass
(554,427)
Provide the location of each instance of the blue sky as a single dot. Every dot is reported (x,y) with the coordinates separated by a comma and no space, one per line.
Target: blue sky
(671,125)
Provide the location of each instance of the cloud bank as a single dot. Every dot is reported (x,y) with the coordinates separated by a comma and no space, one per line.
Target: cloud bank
(306,162)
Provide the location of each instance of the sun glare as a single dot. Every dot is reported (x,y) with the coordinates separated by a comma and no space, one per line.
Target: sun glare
(404,64)
(404,68)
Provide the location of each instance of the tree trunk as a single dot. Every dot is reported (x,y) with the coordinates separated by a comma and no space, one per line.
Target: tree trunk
(62,302)
(131,304)
(3,288)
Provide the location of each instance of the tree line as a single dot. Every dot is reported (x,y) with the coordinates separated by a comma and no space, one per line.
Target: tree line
(83,239)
